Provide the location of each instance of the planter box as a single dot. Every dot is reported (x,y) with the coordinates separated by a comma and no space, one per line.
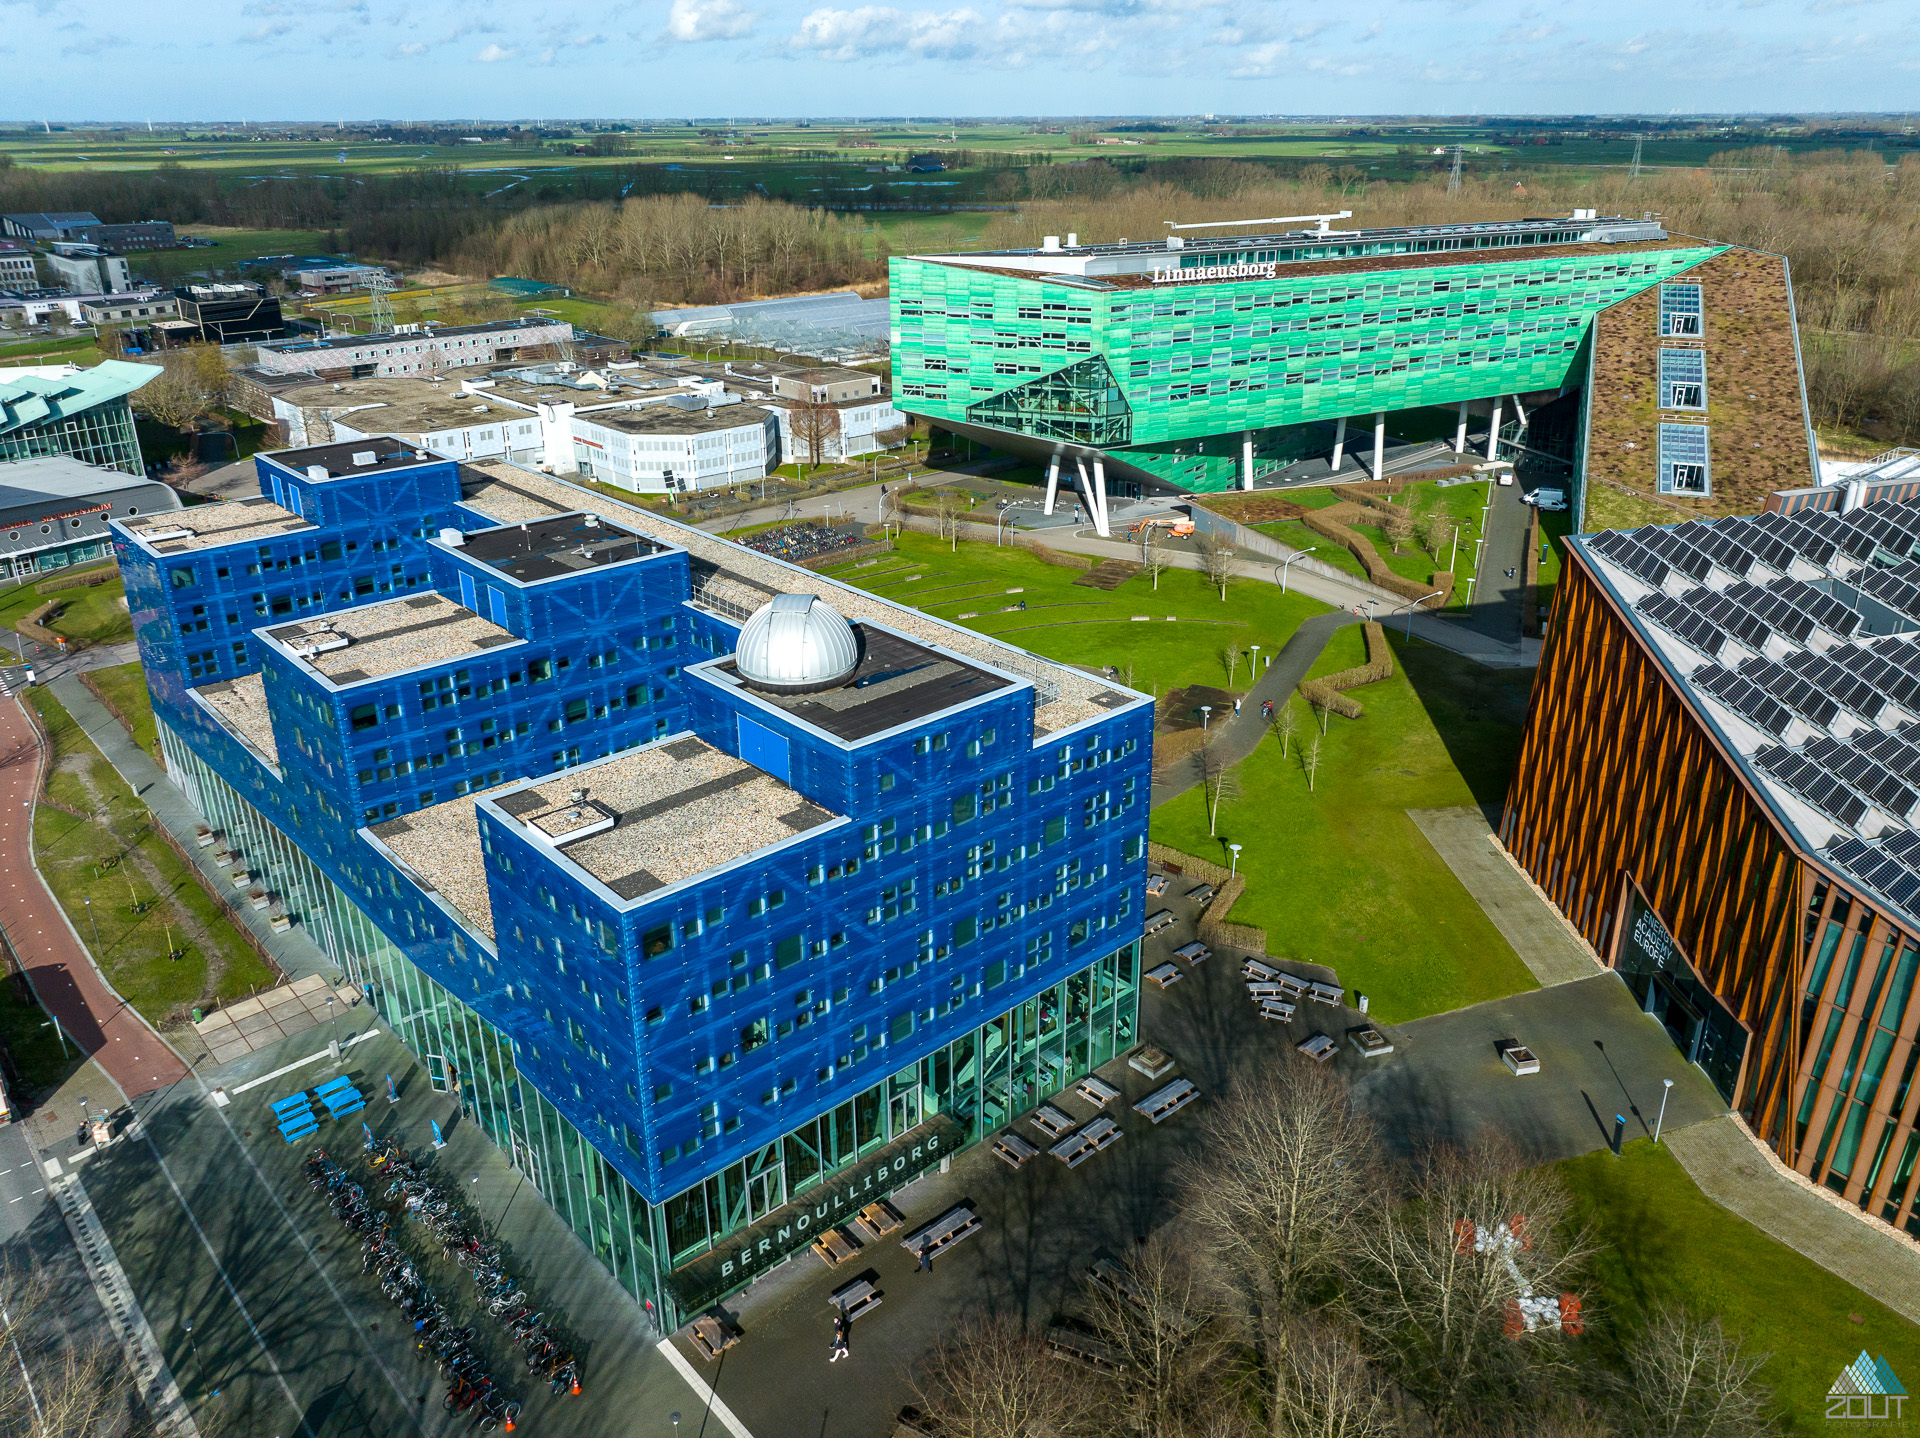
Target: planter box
(1519,1058)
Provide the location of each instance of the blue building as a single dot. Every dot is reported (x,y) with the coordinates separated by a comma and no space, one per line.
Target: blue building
(726,897)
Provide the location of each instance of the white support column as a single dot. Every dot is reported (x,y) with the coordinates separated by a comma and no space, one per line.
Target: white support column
(1339,442)
(1246,461)
(1100,497)
(1053,482)
(1380,445)
(1085,486)
(1493,430)
(1460,433)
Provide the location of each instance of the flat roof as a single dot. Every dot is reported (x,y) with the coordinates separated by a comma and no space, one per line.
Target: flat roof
(441,844)
(350,646)
(60,477)
(349,342)
(657,816)
(348,456)
(897,681)
(668,418)
(208,526)
(547,548)
(241,705)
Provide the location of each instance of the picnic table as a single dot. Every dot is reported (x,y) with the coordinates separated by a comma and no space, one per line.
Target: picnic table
(836,1246)
(949,1228)
(1160,919)
(877,1220)
(1194,953)
(341,1097)
(1254,969)
(1201,893)
(1295,986)
(1013,1149)
(1096,1091)
(1331,994)
(1106,1274)
(1165,1102)
(1076,1148)
(1156,885)
(1163,975)
(1319,1048)
(1150,1062)
(1258,990)
(712,1337)
(1050,1121)
(294,1117)
(855,1299)
(1279,1010)
(1085,1349)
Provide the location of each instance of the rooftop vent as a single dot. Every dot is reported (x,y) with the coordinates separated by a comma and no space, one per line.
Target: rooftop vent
(364,457)
(1073,240)
(1051,242)
(796,644)
(319,471)
(171,531)
(453,538)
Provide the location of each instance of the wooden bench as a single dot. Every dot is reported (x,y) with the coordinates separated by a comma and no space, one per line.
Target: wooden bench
(712,1337)
(1083,1348)
(1013,1149)
(1194,953)
(1150,1062)
(836,1246)
(1156,885)
(1254,969)
(1257,990)
(1076,1148)
(1295,986)
(855,1299)
(1163,919)
(1165,1102)
(1330,994)
(1096,1091)
(1319,1048)
(877,1220)
(1279,1010)
(1163,976)
(1201,893)
(937,1237)
(1050,1121)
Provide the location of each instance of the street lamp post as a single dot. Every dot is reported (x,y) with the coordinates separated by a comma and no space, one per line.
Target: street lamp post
(1256,664)
(92,922)
(1206,713)
(1665,1090)
(1236,860)
(1289,560)
(1413,604)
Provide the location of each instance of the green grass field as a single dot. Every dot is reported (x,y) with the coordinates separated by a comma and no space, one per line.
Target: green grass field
(35,1054)
(92,614)
(1340,875)
(1665,1242)
(126,686)
(144,900)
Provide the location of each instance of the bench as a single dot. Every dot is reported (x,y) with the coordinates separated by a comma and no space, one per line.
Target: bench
(286,1108)
(835,1246)
(1076,1148)
(950,1228)
(1149,1061)
(1369,1041)
(295,1129)
(1083,1348)
(294,1117)
(1254,969)
(1165,1102)
(1201,893)
(1279,1010)
(1105,1274)
(1050,1121)
(855,1299)
(712,1337)
(1330,994)
(1256,990)
(1163,976)
(1295,986)
(1194,953)
(341,1097)
(877,1220)
(1156,885)
(1162,919)
(1096,1091)
(1013,1150)
(1319,1048)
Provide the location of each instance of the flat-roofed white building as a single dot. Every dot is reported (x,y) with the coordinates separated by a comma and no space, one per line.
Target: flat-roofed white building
(677,447)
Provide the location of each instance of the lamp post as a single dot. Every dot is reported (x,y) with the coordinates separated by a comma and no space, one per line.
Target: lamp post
(1236,860)
(1256,663)
(91,921)
(1206,713)
(1667,1088)
(1289,560)
(1413,604)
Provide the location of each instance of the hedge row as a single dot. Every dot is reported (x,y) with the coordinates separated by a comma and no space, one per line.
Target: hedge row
(1327,523)
(1326,690)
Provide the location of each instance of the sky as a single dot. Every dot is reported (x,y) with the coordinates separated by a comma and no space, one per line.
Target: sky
(132,60)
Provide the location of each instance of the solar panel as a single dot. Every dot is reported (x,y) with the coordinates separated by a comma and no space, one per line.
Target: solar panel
(1829,612)
(1900,755)
(1849,688)
(1814,784)
(1880,867)
(1902,687)
(1724,550)
(1891,589)
(1849,537)
(1779,614)
(1668,544)
(1744,697)
(1803,697)
(1863,773)
(1793,532)
(1685,624)
(1634,557)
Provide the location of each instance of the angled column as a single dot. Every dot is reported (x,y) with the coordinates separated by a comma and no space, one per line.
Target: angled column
(1085,486)
(1380,445)
(1339,442)
(1100,497)
(1493,431)
(1460,432)
(1053,482)
(1246,461)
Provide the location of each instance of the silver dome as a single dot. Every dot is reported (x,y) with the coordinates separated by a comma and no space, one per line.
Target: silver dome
(796,643)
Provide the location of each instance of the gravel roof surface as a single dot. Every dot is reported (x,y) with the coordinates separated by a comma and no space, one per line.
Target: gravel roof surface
(442,846)
(242,706)
(399,634)
(235,522)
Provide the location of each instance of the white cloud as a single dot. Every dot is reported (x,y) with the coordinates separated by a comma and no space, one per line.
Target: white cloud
(880,30)
(693,21)
(1260,60)
(493,54)
(262,34)
(409,50)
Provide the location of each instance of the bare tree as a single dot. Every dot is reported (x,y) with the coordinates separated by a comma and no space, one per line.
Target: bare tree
(1160,1316)
(1231,657)
(1310,757)
(1216,559)
(1221,780)
(80,1385)
(891,437)
(175,397)
(1325,1388)
(1397,522)
(1153,559)
(949,511)
(1460,1291)
(1279,1193)
(1286,723)
(992,1380)
(814,426)
(1693,1379)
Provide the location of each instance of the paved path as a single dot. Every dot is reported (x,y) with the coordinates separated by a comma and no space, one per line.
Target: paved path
(57,964)
(1524,918)
(1237,735)
(1735,1173)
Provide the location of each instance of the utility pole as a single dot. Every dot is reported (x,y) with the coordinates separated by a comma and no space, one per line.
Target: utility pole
(1453,180)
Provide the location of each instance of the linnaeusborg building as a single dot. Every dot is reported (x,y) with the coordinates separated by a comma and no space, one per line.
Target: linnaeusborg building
(1654,363)
(725,896)
(1719,785)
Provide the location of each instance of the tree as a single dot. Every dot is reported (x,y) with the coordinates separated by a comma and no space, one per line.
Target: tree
(81,1385)
(1310,756)
(814,426)
(990,1379)
(1161,1319)
(1216,559)
(1325,1388)
(1397,521)
(1693,1379)
(1220,778)
(175,397)
(1286,723)
(1231,657)
(211,372)
(1153,559)
(892,437)
(1445,1270)
(949,512)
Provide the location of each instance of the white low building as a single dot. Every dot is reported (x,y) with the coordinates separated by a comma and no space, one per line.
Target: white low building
(676,447)
(857,428)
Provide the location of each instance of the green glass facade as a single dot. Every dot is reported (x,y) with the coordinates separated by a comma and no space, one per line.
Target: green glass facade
(1169,377)
(102,435)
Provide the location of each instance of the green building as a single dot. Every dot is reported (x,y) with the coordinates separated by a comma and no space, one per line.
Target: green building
(1201,363)
(79,412)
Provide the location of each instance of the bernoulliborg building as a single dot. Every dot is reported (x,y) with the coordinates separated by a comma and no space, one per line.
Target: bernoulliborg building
(1651,364)
(724,895)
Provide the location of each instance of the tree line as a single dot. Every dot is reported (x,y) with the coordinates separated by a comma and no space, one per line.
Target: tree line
(1310,1288)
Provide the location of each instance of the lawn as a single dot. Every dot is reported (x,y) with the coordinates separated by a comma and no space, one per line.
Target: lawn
(93,614)
(115,859)
(1460,501)
(1667,1242)
(36,1055)
(125,686)
(1081,625)
(1341,875)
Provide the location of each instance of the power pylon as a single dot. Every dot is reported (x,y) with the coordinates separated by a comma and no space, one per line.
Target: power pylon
(1633,170)
(1453,180)
(380,304)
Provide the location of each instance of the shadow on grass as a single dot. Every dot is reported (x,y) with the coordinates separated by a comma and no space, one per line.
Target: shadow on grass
(1478,713)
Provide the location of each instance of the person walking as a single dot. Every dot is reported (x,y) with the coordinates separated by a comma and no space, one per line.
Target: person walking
(1236,707)
(840,1350)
